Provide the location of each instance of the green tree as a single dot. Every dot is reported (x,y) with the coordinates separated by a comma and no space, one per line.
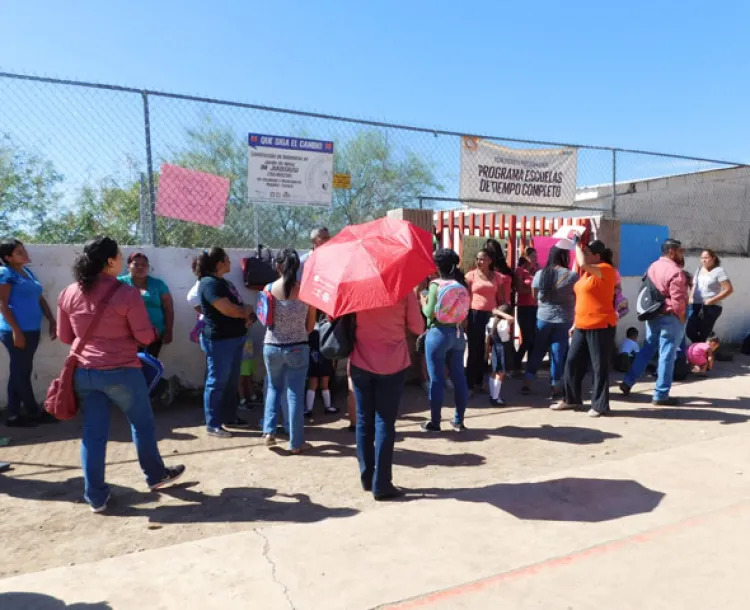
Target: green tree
(106,209)
(28,190)
(382,179)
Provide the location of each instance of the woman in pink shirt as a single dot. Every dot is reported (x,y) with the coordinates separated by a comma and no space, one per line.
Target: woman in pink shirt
(109,370)
(488,290)
(378,371)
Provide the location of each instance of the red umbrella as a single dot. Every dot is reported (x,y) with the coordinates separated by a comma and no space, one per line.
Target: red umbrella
(367,266)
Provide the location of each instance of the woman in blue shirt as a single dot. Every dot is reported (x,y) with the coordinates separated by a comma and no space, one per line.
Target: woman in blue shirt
(156,296)
(22,307)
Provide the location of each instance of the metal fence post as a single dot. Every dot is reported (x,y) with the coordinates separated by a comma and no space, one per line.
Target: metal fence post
(614,183)
(150,168)
(143,212)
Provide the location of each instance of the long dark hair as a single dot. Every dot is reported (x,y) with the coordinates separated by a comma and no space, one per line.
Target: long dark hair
(288,260)
(208,261)
(495,251)
(447,261)
(7,247)
(95,258)
(605,254)
(557,258)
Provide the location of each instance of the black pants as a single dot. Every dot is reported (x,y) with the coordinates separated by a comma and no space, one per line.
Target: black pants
(527,324)
(476,363)
(594,347)
(154,349)
(701,322)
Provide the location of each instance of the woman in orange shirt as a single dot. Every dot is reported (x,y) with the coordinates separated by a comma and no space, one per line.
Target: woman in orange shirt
(488,290)
(593,329)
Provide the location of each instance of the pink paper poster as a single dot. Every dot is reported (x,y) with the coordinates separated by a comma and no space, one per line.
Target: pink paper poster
(543,246)
(190,195)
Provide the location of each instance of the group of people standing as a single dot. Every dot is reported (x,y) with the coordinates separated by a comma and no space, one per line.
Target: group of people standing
(574,320)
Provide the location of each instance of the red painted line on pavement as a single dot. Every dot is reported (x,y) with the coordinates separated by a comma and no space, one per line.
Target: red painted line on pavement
(530,570)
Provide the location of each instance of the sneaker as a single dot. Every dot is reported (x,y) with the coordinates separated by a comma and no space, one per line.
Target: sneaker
(428,426)
(218,432)
(331,410)
(237,423)
(625,389)
(270,440)
(20,421)
(45,418)
(308,413)
(458,426)
(256,399)
(562,406)
(497,402)
(101,507)
(593,413)
(170,476)
(669,401)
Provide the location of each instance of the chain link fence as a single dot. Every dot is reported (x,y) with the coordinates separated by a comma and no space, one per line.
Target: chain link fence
(80,159)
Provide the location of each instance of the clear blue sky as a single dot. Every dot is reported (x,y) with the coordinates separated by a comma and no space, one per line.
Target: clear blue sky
(669,76)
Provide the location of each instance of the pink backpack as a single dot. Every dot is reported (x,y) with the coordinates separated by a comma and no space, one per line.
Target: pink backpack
(453,302)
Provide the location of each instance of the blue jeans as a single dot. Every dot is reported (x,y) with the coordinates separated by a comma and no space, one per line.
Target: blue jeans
(665,334)
(378,398)
(445,346)
(552,336)
(286,369)
(221,396)
(20,390)
(97,390)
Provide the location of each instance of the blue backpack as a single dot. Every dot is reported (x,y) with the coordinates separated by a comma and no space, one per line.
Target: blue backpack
(264,307)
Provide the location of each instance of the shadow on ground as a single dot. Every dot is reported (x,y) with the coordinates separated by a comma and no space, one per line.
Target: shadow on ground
(568,499)
(233,504)
(37,601)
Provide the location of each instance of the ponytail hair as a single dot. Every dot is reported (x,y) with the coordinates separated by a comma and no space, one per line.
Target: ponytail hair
(95,258)
(7,248)
(207,262)
(447,263)
(288,262)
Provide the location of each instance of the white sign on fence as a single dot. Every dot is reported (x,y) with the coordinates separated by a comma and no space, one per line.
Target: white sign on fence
(495,174)
(289,171)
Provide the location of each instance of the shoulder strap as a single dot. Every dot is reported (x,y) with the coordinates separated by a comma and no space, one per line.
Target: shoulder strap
(100,307)
(561,281)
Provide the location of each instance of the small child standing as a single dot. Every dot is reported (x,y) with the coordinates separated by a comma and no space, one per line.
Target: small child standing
(499,343)
(249,397)
(701,355)
(629,349)
(319,373)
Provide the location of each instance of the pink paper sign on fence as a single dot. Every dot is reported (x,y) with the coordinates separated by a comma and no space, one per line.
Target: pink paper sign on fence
(190,195)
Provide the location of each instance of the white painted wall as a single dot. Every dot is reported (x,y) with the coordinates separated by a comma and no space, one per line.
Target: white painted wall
(734,322)
(53,264)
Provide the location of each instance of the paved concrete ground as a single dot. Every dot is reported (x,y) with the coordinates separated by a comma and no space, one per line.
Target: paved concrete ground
(647,509)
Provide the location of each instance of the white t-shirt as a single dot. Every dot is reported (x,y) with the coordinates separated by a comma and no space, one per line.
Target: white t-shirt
(193,298)
(502,332)
(628,346)
(708,283)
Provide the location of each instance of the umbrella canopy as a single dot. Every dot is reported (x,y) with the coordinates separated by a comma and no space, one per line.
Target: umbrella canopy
(367,266)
